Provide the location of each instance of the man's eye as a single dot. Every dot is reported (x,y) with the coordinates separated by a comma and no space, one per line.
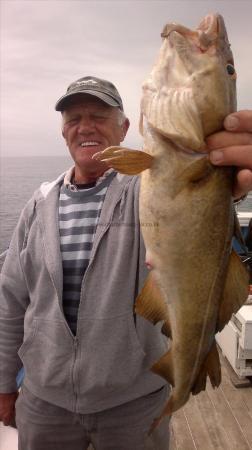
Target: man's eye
(72,121)
(99,117)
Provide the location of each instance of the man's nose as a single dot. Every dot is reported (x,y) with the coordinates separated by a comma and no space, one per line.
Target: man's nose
(86,125)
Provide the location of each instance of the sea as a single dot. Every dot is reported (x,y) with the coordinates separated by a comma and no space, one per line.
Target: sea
(20,176)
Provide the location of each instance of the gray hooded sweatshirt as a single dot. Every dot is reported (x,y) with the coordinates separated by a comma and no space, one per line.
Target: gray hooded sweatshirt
(107,363)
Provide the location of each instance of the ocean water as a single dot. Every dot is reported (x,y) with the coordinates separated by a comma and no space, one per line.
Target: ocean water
(19,177)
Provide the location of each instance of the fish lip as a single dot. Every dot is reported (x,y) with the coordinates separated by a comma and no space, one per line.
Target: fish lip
(197,40)
(196,43)
(175,38)
(209,23)
(210,29)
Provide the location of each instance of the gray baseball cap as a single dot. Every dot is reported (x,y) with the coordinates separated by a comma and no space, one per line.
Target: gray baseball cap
(98,87)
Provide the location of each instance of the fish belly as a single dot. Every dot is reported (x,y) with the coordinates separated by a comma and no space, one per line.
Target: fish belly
(187,242)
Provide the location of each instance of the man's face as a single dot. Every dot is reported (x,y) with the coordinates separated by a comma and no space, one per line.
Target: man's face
(90,126)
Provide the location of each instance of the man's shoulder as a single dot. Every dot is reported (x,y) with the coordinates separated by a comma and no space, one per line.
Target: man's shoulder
(127,186)
(47,186)
(132,181)
(41,193)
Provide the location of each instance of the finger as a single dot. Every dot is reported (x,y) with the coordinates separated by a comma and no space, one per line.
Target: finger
(243,183)
(239,121)
(227,139)
(233,156)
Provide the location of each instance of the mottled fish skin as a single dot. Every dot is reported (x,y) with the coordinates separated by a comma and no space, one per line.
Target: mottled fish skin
(189,92)
(196,282)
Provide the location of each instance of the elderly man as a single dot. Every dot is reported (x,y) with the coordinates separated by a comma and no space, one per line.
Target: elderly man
(73,271)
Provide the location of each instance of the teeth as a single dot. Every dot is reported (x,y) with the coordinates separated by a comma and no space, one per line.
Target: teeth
(88,144)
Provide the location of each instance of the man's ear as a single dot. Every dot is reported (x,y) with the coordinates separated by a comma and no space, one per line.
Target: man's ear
(125,127)
(62,125)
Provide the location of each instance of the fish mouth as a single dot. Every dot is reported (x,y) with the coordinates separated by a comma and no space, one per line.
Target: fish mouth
(210,30)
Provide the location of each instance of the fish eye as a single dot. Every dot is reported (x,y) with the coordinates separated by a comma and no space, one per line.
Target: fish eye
(230,69)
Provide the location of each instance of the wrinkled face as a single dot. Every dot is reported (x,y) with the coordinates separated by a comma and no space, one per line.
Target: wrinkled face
(90,126)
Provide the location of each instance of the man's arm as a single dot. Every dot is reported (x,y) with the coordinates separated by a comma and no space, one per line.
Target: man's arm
(14,299)
(234,147)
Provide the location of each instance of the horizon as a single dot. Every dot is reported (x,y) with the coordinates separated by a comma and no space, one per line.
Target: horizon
(39,59)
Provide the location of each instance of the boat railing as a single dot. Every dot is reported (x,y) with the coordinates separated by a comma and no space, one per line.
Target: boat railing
(2,258)
(3,255)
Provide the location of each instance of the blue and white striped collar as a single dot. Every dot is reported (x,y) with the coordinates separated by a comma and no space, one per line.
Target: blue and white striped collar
(70,174)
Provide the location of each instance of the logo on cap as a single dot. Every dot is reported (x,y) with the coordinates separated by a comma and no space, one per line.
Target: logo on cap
(86,82)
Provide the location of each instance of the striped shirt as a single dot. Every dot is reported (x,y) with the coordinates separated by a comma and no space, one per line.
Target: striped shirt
(79,211)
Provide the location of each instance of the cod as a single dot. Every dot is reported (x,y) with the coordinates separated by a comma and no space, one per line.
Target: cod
(196,281)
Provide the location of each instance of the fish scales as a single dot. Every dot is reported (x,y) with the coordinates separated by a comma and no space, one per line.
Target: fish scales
(196,282)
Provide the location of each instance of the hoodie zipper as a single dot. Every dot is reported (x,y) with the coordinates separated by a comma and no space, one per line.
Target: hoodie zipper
(74,378)
(93,252)
(96,244)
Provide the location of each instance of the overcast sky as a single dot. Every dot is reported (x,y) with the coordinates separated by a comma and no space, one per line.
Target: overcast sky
(45,45)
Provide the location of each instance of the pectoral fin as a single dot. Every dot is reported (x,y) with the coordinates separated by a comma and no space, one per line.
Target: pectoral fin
(150,303)
(235,291)
(197,171)
(124,160)
(193,176)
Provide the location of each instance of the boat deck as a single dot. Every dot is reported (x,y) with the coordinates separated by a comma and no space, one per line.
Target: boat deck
(215,419)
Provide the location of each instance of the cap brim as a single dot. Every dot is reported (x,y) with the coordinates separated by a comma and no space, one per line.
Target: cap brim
(63,101)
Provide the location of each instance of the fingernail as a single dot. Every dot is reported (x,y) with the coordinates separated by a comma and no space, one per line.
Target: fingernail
(216,157)
(231,123)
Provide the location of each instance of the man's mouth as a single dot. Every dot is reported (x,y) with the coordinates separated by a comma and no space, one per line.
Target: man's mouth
(89,144)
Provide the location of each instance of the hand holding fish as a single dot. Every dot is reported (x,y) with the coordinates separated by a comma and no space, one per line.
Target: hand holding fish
(234,147)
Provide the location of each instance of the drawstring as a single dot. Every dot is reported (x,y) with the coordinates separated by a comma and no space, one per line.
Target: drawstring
(123,200)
